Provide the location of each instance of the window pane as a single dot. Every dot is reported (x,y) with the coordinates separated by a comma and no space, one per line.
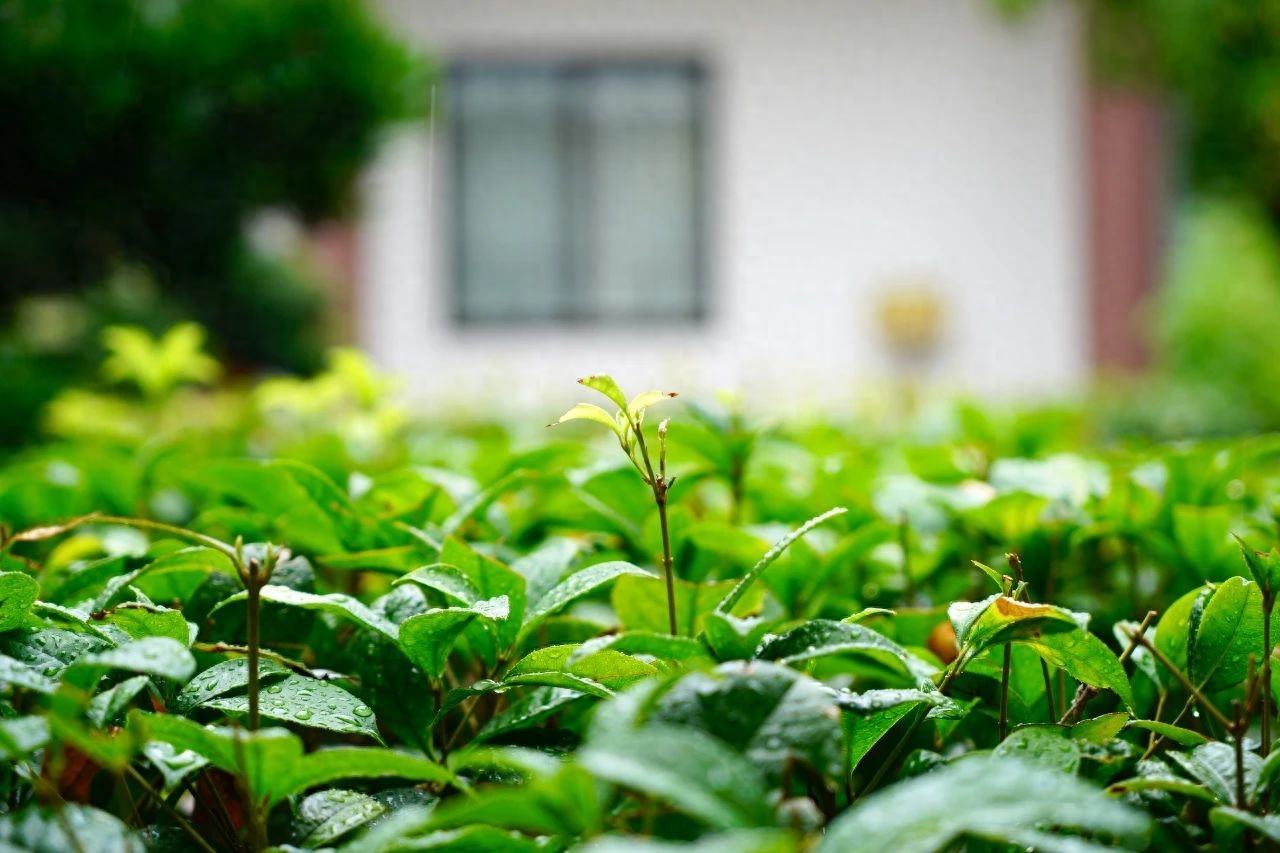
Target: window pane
(509,247)
(577,191)
(643,194)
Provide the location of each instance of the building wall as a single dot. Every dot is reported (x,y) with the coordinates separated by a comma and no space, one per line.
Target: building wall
(853,143)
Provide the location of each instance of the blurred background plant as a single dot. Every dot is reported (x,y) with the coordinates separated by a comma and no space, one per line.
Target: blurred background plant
(153,136)
(1215,67)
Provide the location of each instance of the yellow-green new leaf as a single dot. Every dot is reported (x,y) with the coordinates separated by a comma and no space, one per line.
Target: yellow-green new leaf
(604,383)
(645,399)
(589,412)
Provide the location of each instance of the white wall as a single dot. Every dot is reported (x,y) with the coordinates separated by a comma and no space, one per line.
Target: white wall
(851,142)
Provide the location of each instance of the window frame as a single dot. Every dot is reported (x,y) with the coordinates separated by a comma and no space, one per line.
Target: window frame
(566,69)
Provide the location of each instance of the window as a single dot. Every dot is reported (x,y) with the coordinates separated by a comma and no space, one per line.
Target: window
(577,191)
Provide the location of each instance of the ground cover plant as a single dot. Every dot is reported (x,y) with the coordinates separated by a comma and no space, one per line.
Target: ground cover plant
(294,616)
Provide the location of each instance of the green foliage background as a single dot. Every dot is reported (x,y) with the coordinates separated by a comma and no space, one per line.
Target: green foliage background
(147,131)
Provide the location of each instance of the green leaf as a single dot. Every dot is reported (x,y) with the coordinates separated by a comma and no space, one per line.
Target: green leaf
(1177,734)
(663,646)
(50,650)
(1228,630)
(735,595)
(304,506)
(1214,766)
(491,579)
(428,638)
(1173,631)
(174,575)
(769,713)
(480,500)
(110,704)
(21,736)
(577,585)
(447,580)
(598,673)
(821,637)
(1263,566)
(174,765)
(272,759)
(221,678)
(1085,658)
(996,577)
(544,566)
(1002,619)
(689,769)
(641,603)
(306,702)
(159,656)
(589,412)
(263,756)
(1171,785)
(326,816)
(1230,823)
(15,673)
(336,604)
(531,709)
(605,384)
(148,620)
(731,638)
(1203,536)
(645,399)
(872,714)
(390,836)
(1100,730)
(17,593)
(1000,800)
(327,766)
(552,800)
(1046,746)
(738,841)
(38,829)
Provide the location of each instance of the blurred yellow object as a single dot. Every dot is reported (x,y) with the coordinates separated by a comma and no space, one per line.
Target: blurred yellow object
(910,317)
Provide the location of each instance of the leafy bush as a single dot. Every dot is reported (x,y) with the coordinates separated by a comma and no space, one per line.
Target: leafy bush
(317,621)
(1216,316)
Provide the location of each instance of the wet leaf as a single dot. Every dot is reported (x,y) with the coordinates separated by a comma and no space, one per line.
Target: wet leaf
(17,593)
(821,637)
(306,702)
(428,638)
(1020,804)
(326,816)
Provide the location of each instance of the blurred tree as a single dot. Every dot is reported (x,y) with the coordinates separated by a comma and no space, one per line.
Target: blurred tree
(1219,63)
(146,132)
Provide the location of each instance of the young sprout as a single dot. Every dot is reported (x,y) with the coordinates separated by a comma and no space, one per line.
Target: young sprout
(627,426)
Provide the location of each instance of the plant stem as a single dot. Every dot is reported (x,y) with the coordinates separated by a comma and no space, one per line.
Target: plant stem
(1049,698)
(254,587)
(660,496)
(1237,731)
(1004,690)
(1211,709)
(254,818)
(659,483)
(1268,605)
(160,527)
(1086,691)
(173,813)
